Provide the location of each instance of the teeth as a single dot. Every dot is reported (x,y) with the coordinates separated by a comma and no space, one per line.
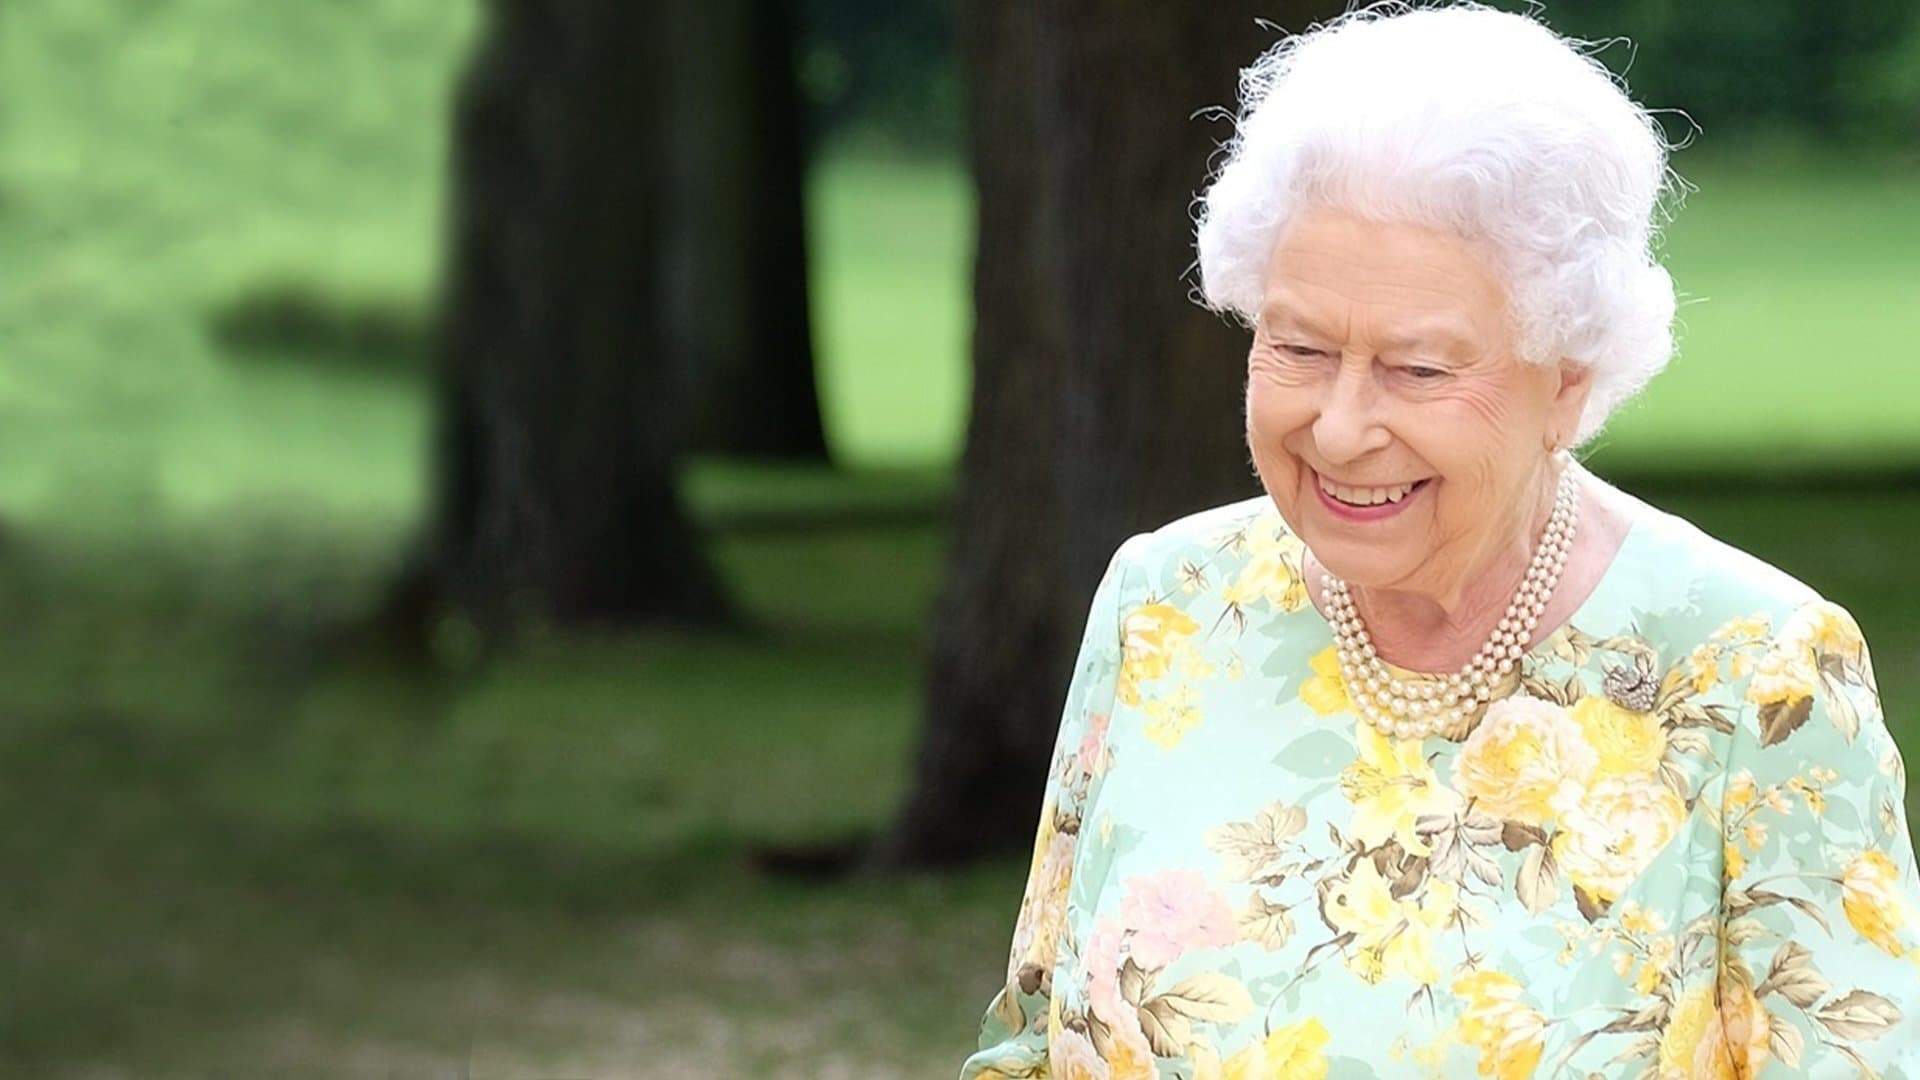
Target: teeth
(1365,496)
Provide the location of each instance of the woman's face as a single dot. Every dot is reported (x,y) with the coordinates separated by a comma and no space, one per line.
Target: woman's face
(1382,359)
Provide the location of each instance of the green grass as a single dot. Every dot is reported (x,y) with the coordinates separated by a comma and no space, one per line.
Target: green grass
(239,844)
(1800,303)
(157,162)
(251,852)
(892,262)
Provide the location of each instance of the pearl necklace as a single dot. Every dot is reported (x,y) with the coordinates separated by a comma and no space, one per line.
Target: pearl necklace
(1418,709)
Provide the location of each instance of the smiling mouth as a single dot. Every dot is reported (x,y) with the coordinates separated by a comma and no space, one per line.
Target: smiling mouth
(1366,498)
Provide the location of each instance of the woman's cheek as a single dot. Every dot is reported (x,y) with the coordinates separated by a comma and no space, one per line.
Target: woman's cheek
(1265,412)
(1484,403)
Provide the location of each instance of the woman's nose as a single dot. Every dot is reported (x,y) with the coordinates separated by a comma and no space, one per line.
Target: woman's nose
(1348,426)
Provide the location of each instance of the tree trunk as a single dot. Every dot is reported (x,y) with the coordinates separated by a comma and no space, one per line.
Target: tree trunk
(560,393)
(1105,402)
(740,230)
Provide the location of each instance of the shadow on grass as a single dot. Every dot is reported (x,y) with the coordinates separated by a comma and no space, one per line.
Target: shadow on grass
(290,321)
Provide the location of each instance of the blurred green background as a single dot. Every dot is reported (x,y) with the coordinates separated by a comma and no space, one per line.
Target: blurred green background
(236,846)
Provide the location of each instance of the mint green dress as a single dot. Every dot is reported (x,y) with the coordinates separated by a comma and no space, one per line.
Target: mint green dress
(1673,846)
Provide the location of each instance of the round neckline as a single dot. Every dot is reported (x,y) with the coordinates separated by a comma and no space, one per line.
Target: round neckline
(1631,509)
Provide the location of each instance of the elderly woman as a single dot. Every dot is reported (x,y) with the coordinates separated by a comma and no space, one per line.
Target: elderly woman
(1442,757)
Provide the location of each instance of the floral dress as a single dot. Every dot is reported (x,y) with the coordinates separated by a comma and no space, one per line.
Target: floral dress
(1675,847)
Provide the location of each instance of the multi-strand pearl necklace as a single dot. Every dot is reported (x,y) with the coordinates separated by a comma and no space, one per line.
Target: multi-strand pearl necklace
(1417,709)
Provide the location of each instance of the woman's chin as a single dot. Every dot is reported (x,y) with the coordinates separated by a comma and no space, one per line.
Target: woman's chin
(1363,573)
(1359,564)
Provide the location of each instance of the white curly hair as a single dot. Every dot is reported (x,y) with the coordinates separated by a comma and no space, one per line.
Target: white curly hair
(1479,121)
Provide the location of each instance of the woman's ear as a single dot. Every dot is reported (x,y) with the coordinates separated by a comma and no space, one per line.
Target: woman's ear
(1569,401)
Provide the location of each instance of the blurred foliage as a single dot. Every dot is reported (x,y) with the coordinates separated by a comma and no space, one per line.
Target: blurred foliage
(882,73)
(1844,70)
(166,167)
(1850,69)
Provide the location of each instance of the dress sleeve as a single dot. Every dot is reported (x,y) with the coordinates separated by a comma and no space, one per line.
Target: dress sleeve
(1819,968)
(1013,1032)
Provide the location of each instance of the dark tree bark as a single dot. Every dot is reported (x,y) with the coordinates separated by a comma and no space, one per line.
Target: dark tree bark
(560,390)
(740,229)
(1104,401)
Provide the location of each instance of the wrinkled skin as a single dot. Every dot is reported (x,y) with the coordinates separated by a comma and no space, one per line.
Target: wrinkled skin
(1382,354)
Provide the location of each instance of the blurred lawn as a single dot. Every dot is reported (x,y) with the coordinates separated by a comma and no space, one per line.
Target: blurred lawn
(240,846)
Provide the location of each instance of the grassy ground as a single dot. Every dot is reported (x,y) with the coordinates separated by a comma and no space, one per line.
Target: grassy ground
(237,846)
(245,852)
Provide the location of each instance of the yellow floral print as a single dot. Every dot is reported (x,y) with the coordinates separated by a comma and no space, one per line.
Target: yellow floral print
(1782,676)
(1742,628)
(1294,1052)
(1170,718)
(1391,938)
(1640,920)
(1130,1059)
(1390,786)
(1628,743)
(1615,831)
(1151,636)
(1823,628)
(1508,1033)
(1871,895)
(1325,692)
(1736,638)
(1790,671)
(1703,667)
(1044,911)
(1711,1039)
(1293,894)
(1272,571)
(1740,791)
(1524,761)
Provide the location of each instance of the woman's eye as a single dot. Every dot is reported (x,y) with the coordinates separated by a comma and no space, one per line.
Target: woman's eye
(1302,350)
(1424,373)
